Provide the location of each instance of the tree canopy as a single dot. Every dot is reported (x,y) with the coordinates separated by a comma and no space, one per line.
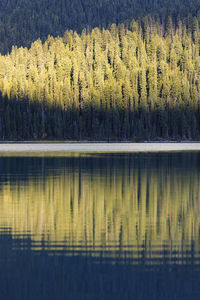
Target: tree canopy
(24,21)
(138,80)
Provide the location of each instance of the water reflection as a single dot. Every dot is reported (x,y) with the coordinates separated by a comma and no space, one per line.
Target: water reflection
(84,226)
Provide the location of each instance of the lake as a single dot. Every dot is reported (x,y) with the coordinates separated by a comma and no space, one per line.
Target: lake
(100,226)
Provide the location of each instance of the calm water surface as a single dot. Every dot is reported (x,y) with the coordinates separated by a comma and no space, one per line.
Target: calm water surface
(121,226)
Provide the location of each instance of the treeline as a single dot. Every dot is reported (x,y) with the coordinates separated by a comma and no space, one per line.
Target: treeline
(24,21)
(138,80)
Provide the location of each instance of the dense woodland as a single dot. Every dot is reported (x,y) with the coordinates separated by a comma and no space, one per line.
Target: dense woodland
(24,21)
(132,81)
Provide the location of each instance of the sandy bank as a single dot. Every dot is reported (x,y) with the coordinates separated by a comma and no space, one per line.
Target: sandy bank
(55,148)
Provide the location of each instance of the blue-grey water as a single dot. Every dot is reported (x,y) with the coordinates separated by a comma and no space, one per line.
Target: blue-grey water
(100,226)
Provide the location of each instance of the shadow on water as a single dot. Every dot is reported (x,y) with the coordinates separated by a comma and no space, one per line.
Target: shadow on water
(42,275)
(108,256)
(38,275)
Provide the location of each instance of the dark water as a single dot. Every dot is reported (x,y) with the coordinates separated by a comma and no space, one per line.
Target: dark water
(123,226)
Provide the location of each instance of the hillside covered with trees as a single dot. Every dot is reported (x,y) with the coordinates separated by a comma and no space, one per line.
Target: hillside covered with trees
(24,21)
(131,81)
(135,81)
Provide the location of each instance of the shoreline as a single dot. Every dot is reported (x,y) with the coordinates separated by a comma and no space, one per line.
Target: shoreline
(100,147)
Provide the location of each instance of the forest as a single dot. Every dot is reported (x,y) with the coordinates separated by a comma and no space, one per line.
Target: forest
(138,80)
(24,21)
